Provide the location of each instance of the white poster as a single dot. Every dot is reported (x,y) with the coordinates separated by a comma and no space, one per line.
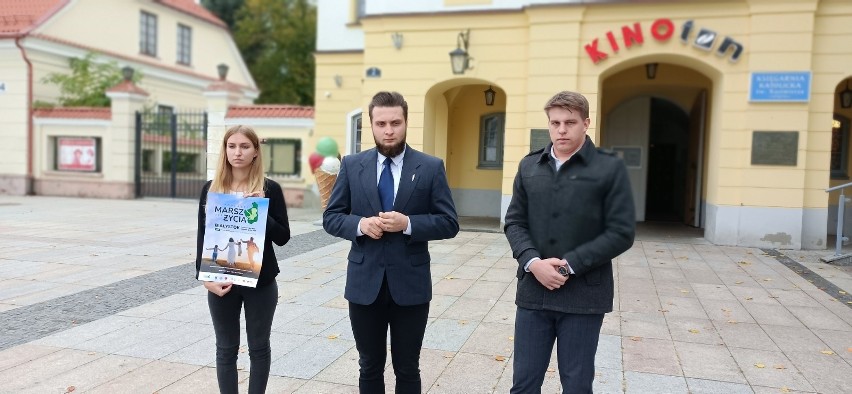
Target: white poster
(76,154)
(234,235)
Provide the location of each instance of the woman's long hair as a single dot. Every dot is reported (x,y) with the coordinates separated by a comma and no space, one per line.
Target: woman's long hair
(224,171)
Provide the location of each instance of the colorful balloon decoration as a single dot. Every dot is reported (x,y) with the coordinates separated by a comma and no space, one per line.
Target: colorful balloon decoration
(325,165)
(327,147)
(330,165)
(315,160)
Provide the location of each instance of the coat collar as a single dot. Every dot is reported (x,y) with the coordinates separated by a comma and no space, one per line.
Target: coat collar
(586,152)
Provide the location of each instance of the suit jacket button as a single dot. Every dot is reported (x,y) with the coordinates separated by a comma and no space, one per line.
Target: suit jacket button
(556,214)
(552,241)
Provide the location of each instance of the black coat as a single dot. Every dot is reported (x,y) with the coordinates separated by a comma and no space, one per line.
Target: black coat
(584,214)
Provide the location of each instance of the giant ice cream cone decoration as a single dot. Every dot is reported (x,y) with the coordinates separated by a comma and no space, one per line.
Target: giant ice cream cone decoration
(325,164)
(325,182)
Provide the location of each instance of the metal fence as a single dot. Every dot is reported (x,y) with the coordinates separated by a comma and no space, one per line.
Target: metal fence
(171,153)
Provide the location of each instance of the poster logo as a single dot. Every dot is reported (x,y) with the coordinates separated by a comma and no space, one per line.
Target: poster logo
(251,213)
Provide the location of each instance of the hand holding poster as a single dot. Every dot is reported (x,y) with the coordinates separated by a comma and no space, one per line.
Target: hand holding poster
(234,235)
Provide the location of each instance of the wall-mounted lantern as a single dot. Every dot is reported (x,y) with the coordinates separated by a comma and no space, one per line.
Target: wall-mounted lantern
(651,70)
(222,68)
(489,96)
(459,58)
(127,73)
(396,38)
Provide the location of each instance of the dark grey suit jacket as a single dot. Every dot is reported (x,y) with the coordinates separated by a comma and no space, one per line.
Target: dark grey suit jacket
(423,195)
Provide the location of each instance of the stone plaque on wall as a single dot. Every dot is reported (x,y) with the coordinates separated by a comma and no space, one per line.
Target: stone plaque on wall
(778,148)
(539,138)
(632,155)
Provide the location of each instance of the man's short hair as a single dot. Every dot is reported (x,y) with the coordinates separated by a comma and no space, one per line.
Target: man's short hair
(389,99)
(571,101)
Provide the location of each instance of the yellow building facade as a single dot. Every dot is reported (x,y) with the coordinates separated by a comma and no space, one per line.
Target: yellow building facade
(730,115)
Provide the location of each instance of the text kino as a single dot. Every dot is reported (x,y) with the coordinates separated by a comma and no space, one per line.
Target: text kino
(662,30)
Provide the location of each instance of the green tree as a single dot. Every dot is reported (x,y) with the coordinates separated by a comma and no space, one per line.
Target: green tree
(226,10)
(277,39)
(88,82)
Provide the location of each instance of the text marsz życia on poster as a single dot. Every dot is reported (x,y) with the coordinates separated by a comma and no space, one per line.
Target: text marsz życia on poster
(234,233)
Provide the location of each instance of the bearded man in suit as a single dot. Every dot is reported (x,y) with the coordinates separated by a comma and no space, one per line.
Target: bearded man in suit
(390,201)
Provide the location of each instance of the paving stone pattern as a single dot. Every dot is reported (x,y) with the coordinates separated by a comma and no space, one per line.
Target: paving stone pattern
(821,283)
(689,317)
(35,321)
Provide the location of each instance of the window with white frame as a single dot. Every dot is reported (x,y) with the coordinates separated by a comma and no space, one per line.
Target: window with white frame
(491,128)
(148,34)
(184,44)
(281,156)
(355,135)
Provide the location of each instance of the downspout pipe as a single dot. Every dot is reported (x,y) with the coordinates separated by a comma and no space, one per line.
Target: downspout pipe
(28,182)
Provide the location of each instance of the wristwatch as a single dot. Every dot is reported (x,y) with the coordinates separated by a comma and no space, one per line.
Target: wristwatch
(563,270)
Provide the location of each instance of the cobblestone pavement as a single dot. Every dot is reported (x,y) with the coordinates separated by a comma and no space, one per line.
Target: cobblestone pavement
(98,296)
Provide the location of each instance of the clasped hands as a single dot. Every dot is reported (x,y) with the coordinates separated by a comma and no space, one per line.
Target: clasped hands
(387,222)
(546,271)
(219,288)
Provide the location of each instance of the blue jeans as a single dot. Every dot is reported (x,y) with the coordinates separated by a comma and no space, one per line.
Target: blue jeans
(577,342)
(260,306)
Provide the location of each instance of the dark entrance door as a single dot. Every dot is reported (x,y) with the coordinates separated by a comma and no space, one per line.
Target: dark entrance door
(667,162)
(171,153)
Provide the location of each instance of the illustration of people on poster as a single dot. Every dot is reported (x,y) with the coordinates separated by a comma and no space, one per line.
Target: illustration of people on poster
(231,222)
(76,154)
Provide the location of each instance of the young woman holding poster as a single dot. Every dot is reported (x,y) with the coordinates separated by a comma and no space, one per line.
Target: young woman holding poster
(240,172)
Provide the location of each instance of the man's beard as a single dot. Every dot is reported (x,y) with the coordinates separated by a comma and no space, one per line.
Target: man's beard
(392,150)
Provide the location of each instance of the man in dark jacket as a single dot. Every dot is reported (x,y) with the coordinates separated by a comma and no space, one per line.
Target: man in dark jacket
(571,213)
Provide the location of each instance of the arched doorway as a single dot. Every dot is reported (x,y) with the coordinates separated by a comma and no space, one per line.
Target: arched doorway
(657,125)
(840,167)
(462,128)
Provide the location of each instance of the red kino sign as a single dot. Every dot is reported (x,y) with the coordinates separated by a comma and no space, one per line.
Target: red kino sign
(662,30)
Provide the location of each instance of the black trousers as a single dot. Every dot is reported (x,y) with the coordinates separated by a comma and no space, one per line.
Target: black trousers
(370,327)
(260,306)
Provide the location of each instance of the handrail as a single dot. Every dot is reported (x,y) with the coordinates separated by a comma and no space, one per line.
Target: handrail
(831,189)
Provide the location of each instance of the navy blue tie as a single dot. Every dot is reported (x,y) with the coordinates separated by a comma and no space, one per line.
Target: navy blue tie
(386,186)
